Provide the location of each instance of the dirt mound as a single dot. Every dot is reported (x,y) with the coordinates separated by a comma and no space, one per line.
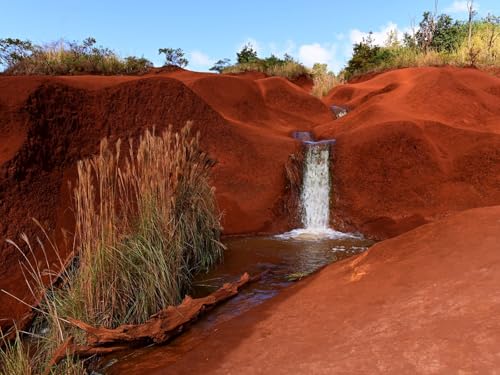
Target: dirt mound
(49,123)
(417,144)
(424,302)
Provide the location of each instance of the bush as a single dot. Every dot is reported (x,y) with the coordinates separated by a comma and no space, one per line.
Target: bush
(66,58)
(437,42)
(174,57)
(272,66)
(246,55)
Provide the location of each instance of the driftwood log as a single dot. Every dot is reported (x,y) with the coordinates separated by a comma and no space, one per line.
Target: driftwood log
(160,328)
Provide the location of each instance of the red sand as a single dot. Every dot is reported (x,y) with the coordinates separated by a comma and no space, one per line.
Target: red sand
(418,144)
(425,302)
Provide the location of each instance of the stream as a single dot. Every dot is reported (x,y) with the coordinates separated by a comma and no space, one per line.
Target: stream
(286,260)
(287,257)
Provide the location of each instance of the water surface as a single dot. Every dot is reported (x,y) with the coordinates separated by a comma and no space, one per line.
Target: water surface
(284,260)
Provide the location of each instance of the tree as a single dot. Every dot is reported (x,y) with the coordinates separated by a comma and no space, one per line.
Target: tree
(492,22)
(447,34)
(247,54)
(473,53)
(220,65)
(173,57)
(425,33)
(13,50)
(366,55)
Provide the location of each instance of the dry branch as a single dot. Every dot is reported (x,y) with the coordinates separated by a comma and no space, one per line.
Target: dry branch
(160,328)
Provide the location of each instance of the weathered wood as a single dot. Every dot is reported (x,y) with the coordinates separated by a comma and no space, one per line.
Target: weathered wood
(161,327)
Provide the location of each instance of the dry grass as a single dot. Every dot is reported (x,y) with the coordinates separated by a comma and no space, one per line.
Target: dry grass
(323,84)
(288,69)
(146,222)
(142,229)
(63,58)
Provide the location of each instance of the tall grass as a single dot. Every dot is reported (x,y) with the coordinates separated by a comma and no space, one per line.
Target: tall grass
(146,222)
(69,58)
(286,69)
(323,84)
(31,352)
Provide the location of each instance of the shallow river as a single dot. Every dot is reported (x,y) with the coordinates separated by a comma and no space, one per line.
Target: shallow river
(285,260)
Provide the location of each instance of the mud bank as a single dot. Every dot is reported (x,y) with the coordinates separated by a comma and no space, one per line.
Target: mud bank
(423,302)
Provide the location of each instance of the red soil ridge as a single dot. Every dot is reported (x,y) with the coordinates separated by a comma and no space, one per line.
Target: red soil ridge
(49,123)
(417,145)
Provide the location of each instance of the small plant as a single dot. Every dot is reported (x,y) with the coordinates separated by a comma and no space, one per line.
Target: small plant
(247,55)
(174,57)
(272,66)
(220,65)
(297,276)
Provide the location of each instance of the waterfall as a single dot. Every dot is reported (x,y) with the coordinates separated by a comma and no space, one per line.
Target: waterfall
(315,197)
(315,194)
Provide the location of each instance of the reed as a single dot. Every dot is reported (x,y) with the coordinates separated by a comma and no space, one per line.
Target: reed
(146,223)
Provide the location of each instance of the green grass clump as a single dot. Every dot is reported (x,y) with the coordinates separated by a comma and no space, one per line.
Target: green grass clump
(272,66)
(146,223)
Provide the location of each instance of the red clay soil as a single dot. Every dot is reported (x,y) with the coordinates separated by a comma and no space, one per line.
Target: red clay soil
(48,123)
(425,302)
(418,144)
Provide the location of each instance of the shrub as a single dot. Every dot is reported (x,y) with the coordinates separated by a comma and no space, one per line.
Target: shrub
(66,58)
(220,65)
(246,55)
(174,57)
(272,66)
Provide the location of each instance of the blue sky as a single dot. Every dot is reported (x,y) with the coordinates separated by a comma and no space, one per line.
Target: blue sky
(312,31)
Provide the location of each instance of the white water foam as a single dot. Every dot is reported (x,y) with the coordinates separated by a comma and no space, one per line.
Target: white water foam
(315,197)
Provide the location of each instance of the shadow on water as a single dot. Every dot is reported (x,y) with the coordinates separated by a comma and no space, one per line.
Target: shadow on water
(284,260)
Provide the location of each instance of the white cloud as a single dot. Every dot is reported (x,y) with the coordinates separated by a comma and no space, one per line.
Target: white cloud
(309,54)
(314,53)
(379,37)
(200,59)
(460,6)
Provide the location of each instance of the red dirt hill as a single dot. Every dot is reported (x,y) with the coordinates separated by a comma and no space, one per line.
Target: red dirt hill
(48,123)
(425,302)
(417,144)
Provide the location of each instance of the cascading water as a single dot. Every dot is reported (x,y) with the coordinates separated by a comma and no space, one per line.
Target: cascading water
(315,195)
